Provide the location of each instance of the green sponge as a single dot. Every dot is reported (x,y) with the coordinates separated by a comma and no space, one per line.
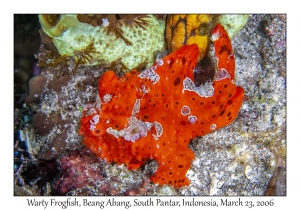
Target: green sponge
(72,37)
(233,23)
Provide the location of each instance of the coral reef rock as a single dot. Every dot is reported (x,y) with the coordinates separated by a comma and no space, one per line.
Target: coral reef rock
(58,108)
(247,157)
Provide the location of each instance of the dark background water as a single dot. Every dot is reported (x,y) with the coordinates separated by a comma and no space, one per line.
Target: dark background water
(26,45)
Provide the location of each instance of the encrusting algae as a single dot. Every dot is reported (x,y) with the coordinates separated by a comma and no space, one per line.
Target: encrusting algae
(155,113)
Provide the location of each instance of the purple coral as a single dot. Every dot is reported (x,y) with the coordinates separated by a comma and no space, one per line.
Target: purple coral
(79,169)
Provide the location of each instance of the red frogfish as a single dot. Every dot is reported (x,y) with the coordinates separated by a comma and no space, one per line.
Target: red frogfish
(154,114)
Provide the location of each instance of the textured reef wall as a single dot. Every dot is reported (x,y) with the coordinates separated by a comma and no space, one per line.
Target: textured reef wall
(247,157)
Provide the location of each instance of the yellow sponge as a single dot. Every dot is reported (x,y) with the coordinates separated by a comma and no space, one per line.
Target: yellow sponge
(103,43)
